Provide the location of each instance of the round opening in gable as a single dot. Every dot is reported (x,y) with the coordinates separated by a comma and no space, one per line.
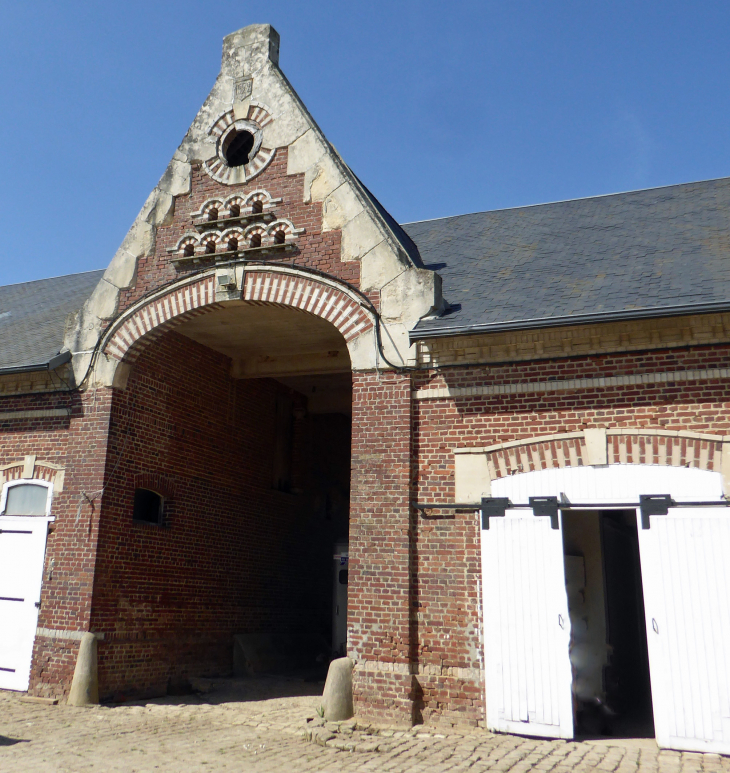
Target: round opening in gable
(237,147)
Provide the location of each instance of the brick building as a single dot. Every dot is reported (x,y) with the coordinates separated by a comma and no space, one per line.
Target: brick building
(495,444)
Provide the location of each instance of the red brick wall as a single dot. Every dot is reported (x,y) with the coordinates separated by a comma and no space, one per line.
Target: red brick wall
(77,443)
(379,624)
(235,556)
(447,550)
(315,248)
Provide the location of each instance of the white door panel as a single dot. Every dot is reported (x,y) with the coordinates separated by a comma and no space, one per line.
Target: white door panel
(686,584)
(684,557)
(526,627)
(22,550)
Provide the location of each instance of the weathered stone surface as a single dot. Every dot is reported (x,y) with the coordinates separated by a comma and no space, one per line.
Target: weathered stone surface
(337,696)
(85,685)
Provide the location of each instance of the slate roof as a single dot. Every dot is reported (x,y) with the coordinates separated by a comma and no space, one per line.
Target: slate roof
(33,317)
(644,253)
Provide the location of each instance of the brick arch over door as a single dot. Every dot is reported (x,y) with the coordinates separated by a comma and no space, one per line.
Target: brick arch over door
(145,322)
(612,446)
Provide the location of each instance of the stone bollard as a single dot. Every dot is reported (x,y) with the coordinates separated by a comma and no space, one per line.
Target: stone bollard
(85,685)
(337,696)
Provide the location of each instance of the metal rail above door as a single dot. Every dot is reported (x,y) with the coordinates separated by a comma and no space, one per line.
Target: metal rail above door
(496,507)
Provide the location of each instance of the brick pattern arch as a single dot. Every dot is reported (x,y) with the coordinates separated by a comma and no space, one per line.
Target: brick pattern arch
(261,286)
(31,469)
(309,295)
(617,446)
(156,317)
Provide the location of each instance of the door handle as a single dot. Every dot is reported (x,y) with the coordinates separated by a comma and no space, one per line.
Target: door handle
(561,622)
(654,625)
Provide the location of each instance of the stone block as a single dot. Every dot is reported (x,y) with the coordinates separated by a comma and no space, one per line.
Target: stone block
(85,685)
(337,696)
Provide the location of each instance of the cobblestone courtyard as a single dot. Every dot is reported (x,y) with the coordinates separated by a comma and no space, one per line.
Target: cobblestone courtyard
(258,725)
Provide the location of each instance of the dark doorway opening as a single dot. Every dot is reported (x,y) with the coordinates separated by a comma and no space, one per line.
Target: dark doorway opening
(609,657)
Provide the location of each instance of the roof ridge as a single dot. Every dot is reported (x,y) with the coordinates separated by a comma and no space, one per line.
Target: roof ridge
(566,201)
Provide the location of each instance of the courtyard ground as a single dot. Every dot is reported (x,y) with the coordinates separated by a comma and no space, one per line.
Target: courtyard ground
(259,725)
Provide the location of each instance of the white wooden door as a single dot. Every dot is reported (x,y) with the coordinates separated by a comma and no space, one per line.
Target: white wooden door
(686,578)
(526,627)
(22,549)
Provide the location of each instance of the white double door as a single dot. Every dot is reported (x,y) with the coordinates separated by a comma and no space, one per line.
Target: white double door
(686,585)
(22,550)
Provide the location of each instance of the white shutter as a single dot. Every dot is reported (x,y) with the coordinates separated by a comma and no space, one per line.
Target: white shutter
(686,578)
(526,627)
(22,549)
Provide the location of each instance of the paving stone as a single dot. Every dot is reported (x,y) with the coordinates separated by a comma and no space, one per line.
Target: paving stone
(260,725)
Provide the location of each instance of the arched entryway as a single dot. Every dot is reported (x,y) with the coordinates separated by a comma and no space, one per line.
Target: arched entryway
(223,540)
(582,583)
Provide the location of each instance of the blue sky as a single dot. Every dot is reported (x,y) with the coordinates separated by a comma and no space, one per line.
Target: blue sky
(440,108)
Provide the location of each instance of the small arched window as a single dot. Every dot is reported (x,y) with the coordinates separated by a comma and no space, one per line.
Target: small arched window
(257,207)
(209,247)
(232,245)
(148,506)
(189,250)
(24,497)
(255,240)
(234,210)
(279,237)
(212,214)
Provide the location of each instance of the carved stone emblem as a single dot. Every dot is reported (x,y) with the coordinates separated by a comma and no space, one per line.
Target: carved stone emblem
(242,89)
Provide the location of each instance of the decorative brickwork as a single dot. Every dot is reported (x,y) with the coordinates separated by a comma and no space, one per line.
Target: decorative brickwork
(624,446)
(257,118)
(315,248)
(262,285)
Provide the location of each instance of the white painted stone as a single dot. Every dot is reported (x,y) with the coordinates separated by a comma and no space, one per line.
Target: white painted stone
(411,295)
(362,351)
(595,445)
(176,179)
(380,266)
(324,178)
(80,365)
(305,152)
(359,236)
(240,109)
(249,49)
(291,120)
(725,468)
(341,206)
(395,345)
(108,372)
(103,301)
(164,210)
(471,478)
(122,271)
(29,466)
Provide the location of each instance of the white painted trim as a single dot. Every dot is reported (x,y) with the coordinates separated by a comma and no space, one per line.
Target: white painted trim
(612,483)
(26,482)
(522,387)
